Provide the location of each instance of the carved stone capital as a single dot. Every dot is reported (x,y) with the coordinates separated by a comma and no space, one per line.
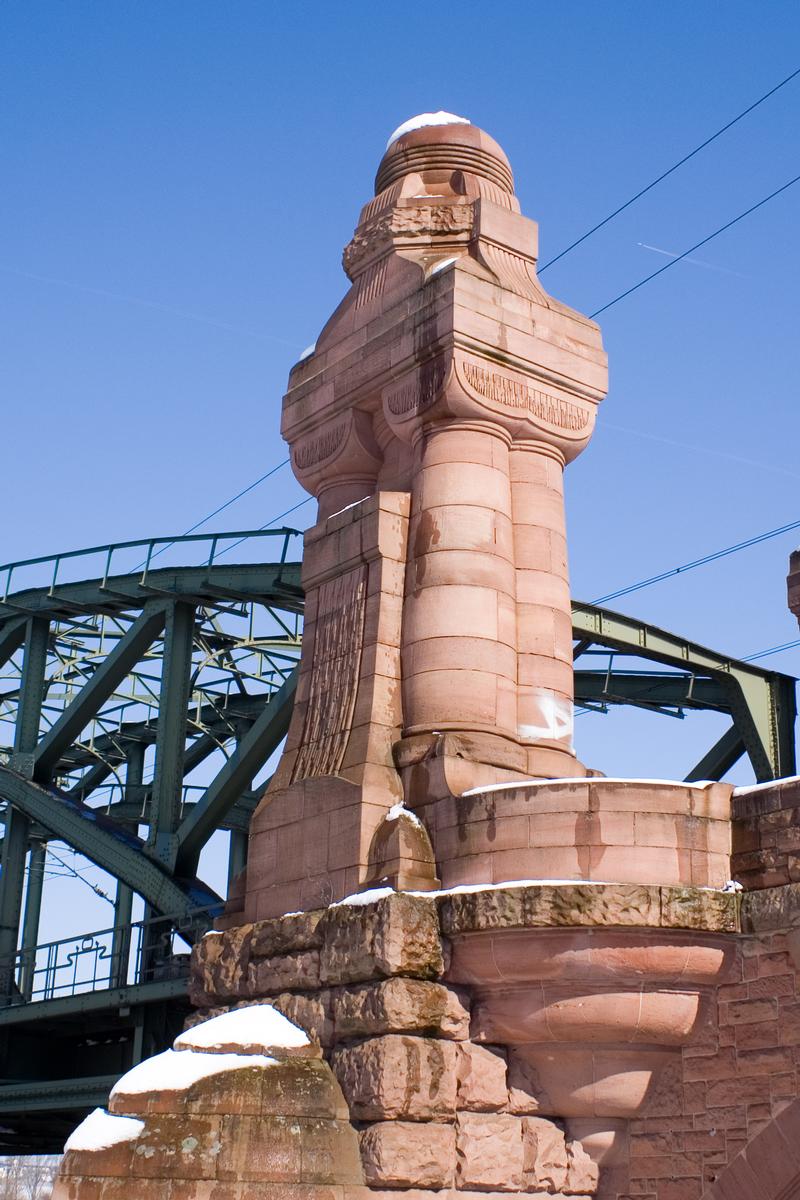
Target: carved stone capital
(463,385)
(338,450)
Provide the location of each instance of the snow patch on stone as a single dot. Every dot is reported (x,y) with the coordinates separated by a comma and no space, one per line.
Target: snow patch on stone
(258,1026)
(309,350)
(424,119)
(399,810)
(176,1070)
(440,265)
(101,1130)
(369,897)
(529,783)
(759,787)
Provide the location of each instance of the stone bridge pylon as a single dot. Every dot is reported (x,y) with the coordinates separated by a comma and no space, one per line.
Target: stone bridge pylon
(432,421)
(512,974)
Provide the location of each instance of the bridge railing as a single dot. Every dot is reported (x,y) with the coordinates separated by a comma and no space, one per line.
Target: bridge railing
(141,556)
(146,951)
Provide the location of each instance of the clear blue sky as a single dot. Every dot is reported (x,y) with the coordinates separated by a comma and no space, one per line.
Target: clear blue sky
(179,180)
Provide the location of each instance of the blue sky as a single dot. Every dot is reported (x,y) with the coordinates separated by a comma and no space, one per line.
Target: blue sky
(179,180)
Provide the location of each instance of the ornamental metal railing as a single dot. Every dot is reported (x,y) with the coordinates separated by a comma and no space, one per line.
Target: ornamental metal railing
(147,951)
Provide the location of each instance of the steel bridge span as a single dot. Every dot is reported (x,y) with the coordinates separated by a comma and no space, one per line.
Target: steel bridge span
(145,688)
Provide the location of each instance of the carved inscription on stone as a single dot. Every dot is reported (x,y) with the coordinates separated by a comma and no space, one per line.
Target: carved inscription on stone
(512,393)
(419,392)
(318,448)
(338,642)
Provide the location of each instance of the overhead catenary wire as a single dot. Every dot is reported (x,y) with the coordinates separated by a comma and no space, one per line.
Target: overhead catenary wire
(222,507)
(670,170)
(678,258)
(698,562)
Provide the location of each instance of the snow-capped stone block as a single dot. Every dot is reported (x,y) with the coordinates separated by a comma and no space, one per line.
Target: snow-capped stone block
(258,1029)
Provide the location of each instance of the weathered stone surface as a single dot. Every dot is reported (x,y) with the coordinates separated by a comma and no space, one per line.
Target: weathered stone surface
(588,905)
(699,908)
(582,1172)
(489,1151)
(525,1092)
(545,1162)
(312,1012)
(397,1076)
(771,908)
(278,1149)
(481,1078)
(289,971)
(409,1154)
(286,935)
(398,1005)
(219,966)
(397,935)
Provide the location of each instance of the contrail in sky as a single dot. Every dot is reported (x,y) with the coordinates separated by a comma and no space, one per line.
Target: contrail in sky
(697,262)
(167,308)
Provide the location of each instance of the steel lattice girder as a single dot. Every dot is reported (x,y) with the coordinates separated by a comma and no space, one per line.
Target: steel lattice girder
(165,598)
(761,703)
(105,843)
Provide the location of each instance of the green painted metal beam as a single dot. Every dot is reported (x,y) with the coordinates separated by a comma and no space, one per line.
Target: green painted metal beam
(276,583)
(109,1000)
(720,758)
(106,844)
(650,690)
(250,755)
(173,702)
(762,703)
(56,1094)
(17,824)
(111,672)
(12,635)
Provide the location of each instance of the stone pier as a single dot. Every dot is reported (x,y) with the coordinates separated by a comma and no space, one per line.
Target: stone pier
(461,963)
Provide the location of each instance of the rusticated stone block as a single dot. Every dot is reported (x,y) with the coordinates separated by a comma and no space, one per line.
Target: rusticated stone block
(170,1147)
(525,1092)
(481,1078)
(489,1151)
(409,1154)
(286,935)
(582,1171)
(219,966)
(397,1076)
(290,971)
(311,1013)
(397,935)
(697,908)
(399,1005)
(283,1149)
(593,905)
(237,1090)
(544,1149)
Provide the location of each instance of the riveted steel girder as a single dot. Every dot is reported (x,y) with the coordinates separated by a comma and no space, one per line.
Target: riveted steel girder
(762,703)
(103,842)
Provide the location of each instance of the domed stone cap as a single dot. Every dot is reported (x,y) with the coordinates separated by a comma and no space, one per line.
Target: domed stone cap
(443,142)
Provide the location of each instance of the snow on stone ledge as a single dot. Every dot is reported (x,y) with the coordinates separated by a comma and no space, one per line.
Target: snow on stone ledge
(419,122)
(587,779)
(399,810)
(760,787)
(101,1130)
(174,1070)
(256,1029)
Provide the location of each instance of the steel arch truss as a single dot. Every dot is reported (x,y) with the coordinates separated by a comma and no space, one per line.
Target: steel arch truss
(114,691)
(761,704)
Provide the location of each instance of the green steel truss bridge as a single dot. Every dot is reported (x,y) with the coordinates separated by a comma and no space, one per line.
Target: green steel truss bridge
(145,688)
